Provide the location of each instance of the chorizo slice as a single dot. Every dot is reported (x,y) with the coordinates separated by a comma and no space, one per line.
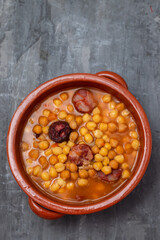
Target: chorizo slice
(112,177)
(84,101)
(59,131)
(80,154)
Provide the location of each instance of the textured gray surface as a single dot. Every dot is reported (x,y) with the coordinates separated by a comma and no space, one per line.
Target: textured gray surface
(42,39)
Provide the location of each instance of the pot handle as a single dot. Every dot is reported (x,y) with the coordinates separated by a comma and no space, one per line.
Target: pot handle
(113,76)
(43,212)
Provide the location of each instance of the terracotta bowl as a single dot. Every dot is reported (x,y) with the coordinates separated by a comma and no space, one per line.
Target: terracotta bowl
(111,82)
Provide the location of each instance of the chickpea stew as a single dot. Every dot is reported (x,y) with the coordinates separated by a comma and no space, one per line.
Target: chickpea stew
(80,145)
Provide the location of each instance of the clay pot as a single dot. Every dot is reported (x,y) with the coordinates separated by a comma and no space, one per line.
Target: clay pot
(110,82)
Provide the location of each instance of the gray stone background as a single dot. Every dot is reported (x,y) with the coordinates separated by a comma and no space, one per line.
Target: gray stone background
(41,39)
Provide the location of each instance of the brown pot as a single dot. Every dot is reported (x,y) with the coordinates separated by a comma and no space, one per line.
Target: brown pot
(111,82)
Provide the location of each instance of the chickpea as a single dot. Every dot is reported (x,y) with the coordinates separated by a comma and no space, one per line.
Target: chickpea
(120,106)
(59,167)
(62,158)
(52,172)
(122,127)
(37,170)
(48,152)
(108,146)
(98,157)
(83,131)
(57,150)
(83,173)
(66,150)
(64,96)
(112,127)
(114,113)
(73,124)
(95,149)
(62,115)
(105,161)
(46,112)
(52,117)
(132,125)
(70,186)
(82,182)
(73,167)
(91,125)
(91,172)
(103,151)
(125,113)
(29,170)
(88,138)
(113,142)
(135,144)
(37,129)
(82,143)
(121,119)
(43,145)
(69,118)
(70,144)
(54,187)
(103,127)
(62,144)
(34,154)
(86,117)
(99,142)
(35,144)
(79,120)
(98,133)
(53,159)
(73,136)
(96,111)
(42,137)
(24,146)
(112,105)
(105,138)
(43,121)
(111,154)
(119,149)
(113,164)
(70,108)
(45,176)
(119,158)
(125,174)
(61,182)
(106,98)
(57,102)
(67,164)
(43,161)
(65,174)
(125,165)
(46,184)
(97,166)
(128,148)
(45,130)
(106,170)
(29,161)
(134,134)
(105,119)
(74,175)
(96,118)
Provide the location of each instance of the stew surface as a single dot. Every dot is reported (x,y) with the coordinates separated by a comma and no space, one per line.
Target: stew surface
(80,145)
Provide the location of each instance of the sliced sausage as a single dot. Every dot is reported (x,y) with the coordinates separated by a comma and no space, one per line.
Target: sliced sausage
(80,154)
(59,131)
(114,176)
(84,101)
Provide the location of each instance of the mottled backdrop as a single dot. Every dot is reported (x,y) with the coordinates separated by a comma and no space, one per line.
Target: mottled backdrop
(42,39)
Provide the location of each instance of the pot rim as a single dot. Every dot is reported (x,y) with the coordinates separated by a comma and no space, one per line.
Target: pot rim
(104,203)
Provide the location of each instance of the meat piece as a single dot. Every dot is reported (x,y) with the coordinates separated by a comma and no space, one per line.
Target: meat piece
(84,101)
(114,176)
(80,154)
(59,131)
